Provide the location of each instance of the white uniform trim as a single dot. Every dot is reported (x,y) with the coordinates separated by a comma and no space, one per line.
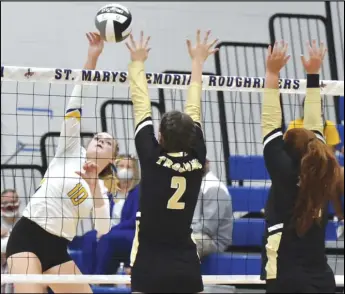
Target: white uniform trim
(272,137)
(142,125)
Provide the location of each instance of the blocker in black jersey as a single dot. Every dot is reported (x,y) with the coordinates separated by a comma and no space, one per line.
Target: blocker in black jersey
(164,257)
(291,263)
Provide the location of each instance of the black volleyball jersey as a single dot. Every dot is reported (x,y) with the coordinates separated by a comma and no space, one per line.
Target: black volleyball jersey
(169,187)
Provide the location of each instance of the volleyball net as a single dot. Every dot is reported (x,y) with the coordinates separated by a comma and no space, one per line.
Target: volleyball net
(33,103)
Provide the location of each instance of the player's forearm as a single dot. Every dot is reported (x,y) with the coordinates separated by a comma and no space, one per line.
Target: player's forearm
(193,103)
(271,110)
(91,63)
(101,213)
(312,107)
(75,101)
(139,91)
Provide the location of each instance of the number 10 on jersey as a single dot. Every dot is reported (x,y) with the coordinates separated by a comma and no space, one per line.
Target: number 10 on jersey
(178,183)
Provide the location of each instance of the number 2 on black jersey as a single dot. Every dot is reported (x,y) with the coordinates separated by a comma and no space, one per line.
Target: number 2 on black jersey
(178,183)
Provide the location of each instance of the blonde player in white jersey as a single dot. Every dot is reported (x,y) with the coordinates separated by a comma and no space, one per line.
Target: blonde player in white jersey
(69,192)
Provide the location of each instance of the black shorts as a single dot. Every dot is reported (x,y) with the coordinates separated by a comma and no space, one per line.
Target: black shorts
(302,282)
(27,236)
(166,271)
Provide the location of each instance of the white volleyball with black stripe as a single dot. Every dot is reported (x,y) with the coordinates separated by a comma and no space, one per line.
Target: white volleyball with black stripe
(114,22)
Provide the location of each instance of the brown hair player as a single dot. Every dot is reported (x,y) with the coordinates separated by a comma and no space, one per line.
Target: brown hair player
(304,173)
(172,169)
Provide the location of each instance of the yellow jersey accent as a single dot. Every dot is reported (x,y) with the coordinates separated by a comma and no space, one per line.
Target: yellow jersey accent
(272,247)
(330,131)
(139,92)
(73,114)
(193,104)
(312,110)
(271,118)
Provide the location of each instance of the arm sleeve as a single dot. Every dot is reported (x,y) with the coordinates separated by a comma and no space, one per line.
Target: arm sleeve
(145,140)
(69,141)
(332,134)
(193,109)
(193,104)
(312,108)
(278,163)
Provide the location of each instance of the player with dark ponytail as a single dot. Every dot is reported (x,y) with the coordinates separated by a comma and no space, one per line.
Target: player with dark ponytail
(304,173)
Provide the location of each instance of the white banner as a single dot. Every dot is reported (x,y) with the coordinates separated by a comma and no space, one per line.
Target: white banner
(159,80)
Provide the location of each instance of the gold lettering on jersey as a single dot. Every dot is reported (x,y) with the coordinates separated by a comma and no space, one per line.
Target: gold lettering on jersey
(187,166)
(78,194)
(196,164)
(160,160)
(176,166)
(168,163)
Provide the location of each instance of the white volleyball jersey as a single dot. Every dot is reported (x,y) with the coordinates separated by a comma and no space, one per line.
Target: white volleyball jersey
(63,198)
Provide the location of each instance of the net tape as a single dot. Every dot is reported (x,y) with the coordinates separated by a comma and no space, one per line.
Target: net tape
(159,80)
(126,279)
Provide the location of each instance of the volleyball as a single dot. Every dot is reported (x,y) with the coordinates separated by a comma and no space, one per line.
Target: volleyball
(114,22)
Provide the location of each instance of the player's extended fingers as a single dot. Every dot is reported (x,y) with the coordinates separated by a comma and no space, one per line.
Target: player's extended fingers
(89,38)
(304,62)
(213,43)
(269,51)
(314,47)
(133,44)
(285,48)
(129,47)
(309,48)
(141,44)
(275,49)
(80,174)
(189,46)
(147,42)
(198,37)
(207,36)
(213,51)
(324,53)
(286,60)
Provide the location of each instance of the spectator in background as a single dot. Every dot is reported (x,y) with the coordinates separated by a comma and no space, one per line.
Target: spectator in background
(10,214)
(213,218)
(115,247)
(330,130)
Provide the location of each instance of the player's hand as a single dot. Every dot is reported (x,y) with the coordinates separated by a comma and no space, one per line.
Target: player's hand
(96,45)
(202,49)
(316,57)
(277,57)
(90,174)
(139,50)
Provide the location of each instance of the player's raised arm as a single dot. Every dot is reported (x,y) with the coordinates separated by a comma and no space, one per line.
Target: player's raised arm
(199,54)
(271,118)
(69,141)
(145,140)
(312,109)
(276,159)
(137,79)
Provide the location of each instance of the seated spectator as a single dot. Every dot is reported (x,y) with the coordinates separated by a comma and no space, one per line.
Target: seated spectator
(115,247)
(330,129)
(213,218)
(10,214)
